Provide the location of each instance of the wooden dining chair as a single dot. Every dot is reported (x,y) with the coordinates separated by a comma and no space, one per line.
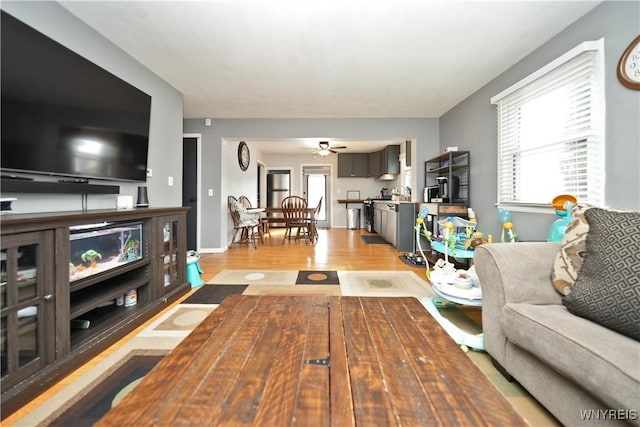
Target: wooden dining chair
(314,220)
(247,225)
(294,209)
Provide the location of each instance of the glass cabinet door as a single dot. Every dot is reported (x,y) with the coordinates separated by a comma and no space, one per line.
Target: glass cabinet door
(26,305)
(172,252)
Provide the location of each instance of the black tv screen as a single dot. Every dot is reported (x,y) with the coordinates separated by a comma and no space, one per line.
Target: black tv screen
(64,115)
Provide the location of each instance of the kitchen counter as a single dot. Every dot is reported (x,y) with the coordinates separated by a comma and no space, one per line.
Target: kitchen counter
(347,201)
(396,202)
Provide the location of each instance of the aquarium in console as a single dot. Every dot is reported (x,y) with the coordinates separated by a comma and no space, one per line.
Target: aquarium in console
(96,248)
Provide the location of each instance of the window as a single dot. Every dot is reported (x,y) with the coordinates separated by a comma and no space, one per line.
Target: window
(550,132)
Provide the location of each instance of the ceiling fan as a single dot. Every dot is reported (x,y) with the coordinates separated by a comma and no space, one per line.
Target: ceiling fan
(324,148)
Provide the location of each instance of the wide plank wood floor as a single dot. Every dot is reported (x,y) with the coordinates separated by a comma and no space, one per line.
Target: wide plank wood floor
(335,249)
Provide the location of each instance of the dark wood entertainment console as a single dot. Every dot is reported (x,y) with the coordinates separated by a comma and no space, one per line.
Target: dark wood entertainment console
(51,325)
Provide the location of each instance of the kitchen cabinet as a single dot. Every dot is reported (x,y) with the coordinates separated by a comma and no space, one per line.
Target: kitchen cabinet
(377,219)
(389,160)
(64,280)
(385,221)
(374,164)
(353,165)
(390,227)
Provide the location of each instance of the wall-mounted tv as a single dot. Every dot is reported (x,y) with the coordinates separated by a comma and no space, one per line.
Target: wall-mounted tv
(63,115)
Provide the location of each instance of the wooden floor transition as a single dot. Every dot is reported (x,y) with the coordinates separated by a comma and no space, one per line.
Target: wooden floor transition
(335,249)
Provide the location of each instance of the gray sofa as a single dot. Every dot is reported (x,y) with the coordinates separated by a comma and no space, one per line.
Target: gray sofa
(571,365)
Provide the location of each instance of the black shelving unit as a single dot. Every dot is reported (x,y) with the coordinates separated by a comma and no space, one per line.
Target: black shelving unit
(451,165)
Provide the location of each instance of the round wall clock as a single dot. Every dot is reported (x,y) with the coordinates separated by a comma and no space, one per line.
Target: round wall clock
(243,155)
(629,65)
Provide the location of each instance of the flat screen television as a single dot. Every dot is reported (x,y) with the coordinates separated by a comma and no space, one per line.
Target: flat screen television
(63,115)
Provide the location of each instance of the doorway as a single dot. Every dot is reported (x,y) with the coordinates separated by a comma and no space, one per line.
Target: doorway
(316,185)
(191,187)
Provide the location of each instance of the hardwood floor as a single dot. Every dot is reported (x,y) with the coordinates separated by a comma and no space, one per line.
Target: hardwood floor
(335,249)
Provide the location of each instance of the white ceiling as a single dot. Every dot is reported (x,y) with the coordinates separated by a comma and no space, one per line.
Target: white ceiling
(327,58)
(309,146)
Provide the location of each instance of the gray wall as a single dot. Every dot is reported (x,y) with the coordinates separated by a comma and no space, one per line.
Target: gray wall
(165,144)
(219,170)
(472,123)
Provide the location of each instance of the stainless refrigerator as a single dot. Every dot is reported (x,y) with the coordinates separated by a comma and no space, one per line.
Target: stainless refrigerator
(278,187)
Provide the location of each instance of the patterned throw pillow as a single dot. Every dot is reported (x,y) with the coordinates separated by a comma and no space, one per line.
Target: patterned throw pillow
(607,289)
(574,245)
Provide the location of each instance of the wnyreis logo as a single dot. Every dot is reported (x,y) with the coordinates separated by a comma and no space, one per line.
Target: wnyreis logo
(608,414)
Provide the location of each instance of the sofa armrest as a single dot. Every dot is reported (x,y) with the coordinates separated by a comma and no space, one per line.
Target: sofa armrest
(518,272)
(512,273)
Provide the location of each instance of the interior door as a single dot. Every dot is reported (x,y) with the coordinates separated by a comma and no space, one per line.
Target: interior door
(317,184)
(190,188)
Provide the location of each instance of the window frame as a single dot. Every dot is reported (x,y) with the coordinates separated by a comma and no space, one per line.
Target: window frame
(597,124)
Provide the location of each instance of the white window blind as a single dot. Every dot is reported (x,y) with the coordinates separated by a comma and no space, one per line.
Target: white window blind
(550,132)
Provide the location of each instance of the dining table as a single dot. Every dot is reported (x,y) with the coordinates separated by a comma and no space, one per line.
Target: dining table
(276,215)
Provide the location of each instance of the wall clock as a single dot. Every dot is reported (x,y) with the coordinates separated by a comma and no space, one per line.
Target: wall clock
(629,65)
(243,155)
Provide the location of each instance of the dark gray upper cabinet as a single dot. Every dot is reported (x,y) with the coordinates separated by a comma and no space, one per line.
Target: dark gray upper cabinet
(407,151)
(374,164)
(389,162)
(353,165)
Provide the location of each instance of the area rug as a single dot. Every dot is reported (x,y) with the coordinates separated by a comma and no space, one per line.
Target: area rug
(179,320)
(96,402)
(318,278)
(214,294)
(373,240)
(255,277)
(383,284)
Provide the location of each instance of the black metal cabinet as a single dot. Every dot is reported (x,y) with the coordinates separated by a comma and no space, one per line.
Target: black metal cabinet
(453,166)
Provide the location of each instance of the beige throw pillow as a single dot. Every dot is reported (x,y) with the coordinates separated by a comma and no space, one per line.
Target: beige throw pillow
(574,246)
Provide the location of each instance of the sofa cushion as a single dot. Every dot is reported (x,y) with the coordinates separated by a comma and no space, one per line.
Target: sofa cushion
(607,289)
(574,245)
(589,354)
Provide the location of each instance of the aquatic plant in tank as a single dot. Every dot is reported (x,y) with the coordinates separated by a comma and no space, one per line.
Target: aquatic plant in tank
(98,248)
